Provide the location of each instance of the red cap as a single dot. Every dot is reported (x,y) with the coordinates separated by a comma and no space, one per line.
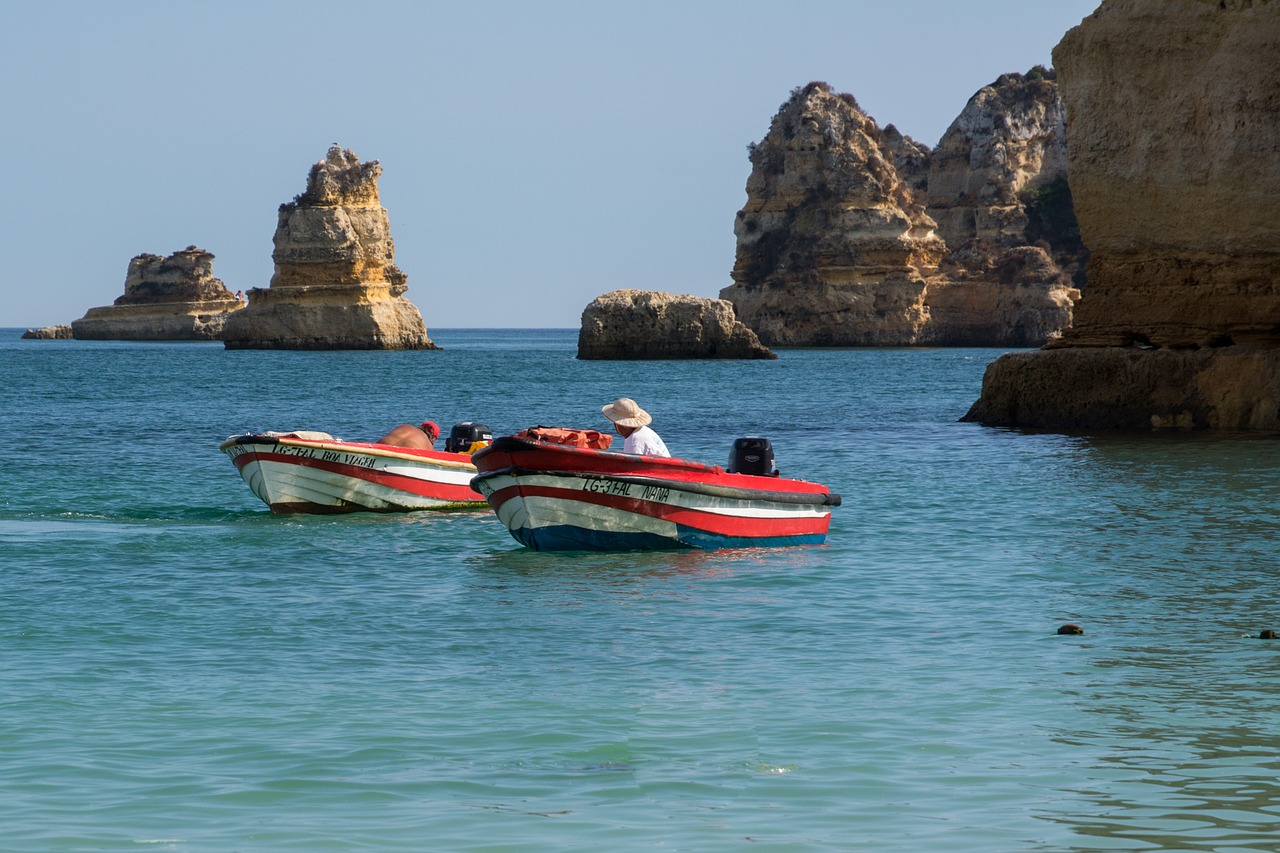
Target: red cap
(431,427)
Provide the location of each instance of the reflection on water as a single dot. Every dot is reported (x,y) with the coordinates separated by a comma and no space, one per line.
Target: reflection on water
(1184,788)
(1182,728)
(630,567)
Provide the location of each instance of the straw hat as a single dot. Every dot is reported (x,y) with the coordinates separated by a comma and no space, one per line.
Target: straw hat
(624,412)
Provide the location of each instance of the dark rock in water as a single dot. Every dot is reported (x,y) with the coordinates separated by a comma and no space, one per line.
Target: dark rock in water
(1070,628)
(1268,634)
(1132,389)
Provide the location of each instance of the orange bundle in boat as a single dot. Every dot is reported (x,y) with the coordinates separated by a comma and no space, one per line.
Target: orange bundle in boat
(590,438)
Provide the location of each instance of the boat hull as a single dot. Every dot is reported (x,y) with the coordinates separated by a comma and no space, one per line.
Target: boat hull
(555,498)
(292,474)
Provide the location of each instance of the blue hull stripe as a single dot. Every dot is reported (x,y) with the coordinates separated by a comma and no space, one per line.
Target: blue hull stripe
(569,538)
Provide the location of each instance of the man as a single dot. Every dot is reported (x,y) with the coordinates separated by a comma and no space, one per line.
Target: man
(632,423)
(407,435)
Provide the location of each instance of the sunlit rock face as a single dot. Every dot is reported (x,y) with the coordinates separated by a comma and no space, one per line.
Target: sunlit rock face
(60,332)
(642,324)
(1010,137)
(166,298)
(834,248)
(336,285)
(1173,115)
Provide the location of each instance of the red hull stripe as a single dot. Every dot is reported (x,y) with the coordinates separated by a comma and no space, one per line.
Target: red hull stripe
(605,462)
(412,485)
(710,522)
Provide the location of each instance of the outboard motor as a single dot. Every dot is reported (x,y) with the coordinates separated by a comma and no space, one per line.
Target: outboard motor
(753,455)
(465,434)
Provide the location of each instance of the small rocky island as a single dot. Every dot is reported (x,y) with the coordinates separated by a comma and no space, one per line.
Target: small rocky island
(1172,126)
(60,332)
(336,285)
(643,324)
(166,298)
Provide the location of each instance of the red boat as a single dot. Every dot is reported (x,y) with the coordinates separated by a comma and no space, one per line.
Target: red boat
(556,496)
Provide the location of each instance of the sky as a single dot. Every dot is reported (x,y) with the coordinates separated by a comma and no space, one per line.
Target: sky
(535,155)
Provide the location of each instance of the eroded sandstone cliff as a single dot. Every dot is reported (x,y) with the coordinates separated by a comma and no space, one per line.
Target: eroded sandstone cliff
(336,285)
(833,247)
(1010,137)
(836,248)
(1173,115)
(166,298)
(1004,296)
(642,324)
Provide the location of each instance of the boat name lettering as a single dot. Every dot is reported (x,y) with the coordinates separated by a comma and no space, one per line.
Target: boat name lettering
(289,450)
(347,458)
(656,493)
(236,450)
(606,487)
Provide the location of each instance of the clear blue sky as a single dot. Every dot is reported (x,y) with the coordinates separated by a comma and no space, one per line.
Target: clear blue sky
(534,154)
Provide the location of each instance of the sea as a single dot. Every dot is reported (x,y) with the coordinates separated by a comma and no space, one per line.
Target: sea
(181,670)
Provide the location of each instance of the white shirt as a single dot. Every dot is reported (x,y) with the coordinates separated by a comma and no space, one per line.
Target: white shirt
(645,442)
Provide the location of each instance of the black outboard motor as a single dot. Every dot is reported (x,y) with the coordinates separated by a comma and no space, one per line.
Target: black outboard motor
(752,455)
(465,434)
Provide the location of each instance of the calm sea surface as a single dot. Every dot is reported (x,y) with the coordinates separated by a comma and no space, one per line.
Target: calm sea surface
(181,670)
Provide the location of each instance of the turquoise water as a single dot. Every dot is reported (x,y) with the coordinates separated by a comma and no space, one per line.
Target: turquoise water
(181,670)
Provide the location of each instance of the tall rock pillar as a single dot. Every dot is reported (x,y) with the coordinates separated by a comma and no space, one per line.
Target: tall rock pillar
(336,285)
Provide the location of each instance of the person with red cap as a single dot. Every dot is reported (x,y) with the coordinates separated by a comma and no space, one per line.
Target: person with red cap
(423,436)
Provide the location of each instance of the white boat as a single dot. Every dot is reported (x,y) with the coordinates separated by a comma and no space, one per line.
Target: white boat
(554,497)
(313,472)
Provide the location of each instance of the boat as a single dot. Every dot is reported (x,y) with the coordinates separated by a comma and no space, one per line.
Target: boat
(312,472)
(558,489)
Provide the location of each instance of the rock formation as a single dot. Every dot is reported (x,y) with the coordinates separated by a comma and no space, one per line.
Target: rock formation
(833,247)
(836,248)
(1173,113)
(641,324)
(1010,137)
(912,160)
(1014,297)
(174,298)
(49,333)
(336,285)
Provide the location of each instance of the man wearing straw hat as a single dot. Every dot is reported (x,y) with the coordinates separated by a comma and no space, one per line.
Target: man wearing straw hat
(632,423)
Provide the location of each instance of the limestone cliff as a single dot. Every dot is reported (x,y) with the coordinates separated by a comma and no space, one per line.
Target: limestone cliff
(173,298)
(1010,137)
(1002,296)
(833,247)
(1173,113)
(913,161)
(336,285)
(641,324)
